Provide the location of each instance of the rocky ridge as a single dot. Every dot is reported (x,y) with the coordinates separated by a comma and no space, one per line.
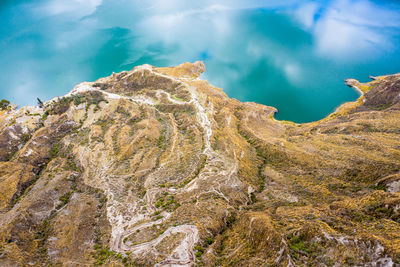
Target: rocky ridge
(155,166)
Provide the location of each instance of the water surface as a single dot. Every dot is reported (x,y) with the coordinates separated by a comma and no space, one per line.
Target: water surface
(293,55)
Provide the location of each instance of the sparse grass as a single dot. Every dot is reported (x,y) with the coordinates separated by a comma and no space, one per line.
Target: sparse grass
(54,150)
(203,162)
(167,203)
(104,255)
(101,86)
(123,111)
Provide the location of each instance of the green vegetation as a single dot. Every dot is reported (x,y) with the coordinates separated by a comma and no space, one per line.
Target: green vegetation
(349,261)
(104,124)
(262,159)
(71,166)
(64,199)
(301,247)
(25,137)
(54,150)
(123,111)
(203,162)
(116,146)
(101,86)
(383,106)
(61,105)
(209,240)
(42,234)
(4,104)
(253,197)
(230,220)
(296,244)
(40,103)
(321,187)
(156,213)
(200,251)
(161,142)
(45,115)
(167,202)
(103,255)
(377,211)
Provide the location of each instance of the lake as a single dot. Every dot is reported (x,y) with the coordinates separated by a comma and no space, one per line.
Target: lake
(293,55)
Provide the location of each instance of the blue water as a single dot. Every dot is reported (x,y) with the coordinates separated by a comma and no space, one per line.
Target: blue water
(293,55)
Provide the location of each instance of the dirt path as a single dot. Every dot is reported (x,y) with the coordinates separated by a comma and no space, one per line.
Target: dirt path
(123,224)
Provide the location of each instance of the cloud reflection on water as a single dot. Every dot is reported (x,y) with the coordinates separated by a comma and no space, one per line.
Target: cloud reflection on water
(353,28)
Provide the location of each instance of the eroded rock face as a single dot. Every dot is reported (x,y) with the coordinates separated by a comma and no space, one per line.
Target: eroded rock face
(14,178)
(384,94)
(154,166)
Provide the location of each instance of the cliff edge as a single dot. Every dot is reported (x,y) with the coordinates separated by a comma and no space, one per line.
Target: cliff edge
(155,166)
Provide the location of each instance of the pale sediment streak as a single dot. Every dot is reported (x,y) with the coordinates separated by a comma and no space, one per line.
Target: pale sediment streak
(125,219)
(121,227)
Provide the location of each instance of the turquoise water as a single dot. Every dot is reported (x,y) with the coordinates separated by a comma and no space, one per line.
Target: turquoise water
(293,55)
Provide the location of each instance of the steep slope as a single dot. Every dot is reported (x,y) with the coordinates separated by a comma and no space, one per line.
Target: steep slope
(156,166)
